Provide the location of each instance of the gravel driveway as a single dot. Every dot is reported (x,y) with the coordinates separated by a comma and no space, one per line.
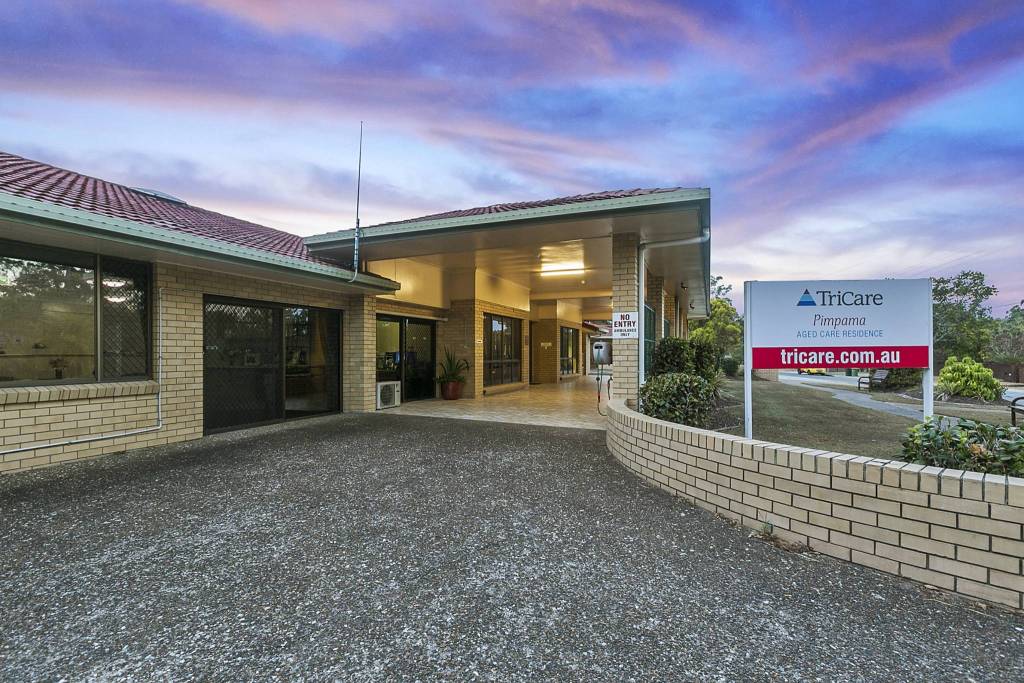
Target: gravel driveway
(371,547)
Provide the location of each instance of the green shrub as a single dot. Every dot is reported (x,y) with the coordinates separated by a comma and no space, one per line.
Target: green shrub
(690,356)
(730,366)
(671,354)
(974,446)
(707,358)
(969,379)
(902,378)
(677,397)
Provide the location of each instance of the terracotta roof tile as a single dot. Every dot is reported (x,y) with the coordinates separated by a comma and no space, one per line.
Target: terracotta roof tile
(35,180)
(518,206)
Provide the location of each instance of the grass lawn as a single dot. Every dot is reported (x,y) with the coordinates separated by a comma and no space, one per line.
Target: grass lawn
(811,418)
(995,414)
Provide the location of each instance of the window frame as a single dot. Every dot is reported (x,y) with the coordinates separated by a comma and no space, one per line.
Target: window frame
(508,340)
(569,342)
(93,261)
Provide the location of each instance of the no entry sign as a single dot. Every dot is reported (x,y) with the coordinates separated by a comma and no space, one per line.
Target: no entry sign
(837,324)
(625,325)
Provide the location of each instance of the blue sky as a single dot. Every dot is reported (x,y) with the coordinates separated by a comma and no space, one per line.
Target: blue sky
(839,139)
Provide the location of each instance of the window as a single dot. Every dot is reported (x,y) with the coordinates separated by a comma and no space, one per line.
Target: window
(124,314)
(60,323)
(569,351)
(648,336)
(503,349)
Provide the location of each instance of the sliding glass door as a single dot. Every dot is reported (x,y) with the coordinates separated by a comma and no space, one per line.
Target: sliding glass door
(503,350)
(406,354)
(264,362)
(312,354)
(569,351)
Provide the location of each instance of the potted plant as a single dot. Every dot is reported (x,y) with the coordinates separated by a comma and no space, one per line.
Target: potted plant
(452,375)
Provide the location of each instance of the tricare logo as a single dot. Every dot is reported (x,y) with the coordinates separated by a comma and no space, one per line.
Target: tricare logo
(806,299)
(828,297)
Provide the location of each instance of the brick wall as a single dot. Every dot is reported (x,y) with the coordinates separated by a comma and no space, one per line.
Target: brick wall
(624,298)
(671,313)
(960,531)
(547,361)
(44,416)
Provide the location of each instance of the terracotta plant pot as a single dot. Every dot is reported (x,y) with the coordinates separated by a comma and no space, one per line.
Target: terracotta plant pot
(451,391)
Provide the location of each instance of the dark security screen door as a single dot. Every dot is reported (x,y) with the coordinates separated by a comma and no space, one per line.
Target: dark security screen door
(264,362)
(242,369)
(419,360)
(405,353)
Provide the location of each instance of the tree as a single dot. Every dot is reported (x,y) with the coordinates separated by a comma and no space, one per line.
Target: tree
(723,328)
(1008,337)
(963,324)
(720,290)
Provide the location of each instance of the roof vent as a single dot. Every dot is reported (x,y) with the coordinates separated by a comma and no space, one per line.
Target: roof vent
(158,194)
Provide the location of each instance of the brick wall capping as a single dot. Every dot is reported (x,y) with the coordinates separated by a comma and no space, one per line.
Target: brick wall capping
(70,392)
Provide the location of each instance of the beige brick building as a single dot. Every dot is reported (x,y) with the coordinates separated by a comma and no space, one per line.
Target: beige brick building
(130,318)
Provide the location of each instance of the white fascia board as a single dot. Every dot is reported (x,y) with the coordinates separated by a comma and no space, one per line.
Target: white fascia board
(174,240)
(484,219)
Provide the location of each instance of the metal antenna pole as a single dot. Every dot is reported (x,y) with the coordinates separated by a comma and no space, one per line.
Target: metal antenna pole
(359,184)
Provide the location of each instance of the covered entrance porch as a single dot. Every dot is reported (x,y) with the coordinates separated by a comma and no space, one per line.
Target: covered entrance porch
(519,291)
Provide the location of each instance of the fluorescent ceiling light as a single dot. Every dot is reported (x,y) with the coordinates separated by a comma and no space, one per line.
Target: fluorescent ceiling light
(564,268)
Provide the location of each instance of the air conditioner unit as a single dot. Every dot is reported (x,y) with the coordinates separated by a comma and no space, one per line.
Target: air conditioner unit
(389,395)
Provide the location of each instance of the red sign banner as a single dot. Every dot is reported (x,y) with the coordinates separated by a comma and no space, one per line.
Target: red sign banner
(791,357)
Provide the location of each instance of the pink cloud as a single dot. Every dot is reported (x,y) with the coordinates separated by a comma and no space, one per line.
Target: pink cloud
(847,51)
(353,22)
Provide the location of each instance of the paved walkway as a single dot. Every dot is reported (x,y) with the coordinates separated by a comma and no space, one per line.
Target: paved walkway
(384,547)
(566,404)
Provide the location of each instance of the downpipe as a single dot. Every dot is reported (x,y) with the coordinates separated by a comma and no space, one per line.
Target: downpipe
(130,432)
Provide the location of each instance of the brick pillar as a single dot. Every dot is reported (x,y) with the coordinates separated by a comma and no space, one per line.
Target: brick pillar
(359,350)
(656,300)
(671,314)
(463,328)
(624,299)
(545,351)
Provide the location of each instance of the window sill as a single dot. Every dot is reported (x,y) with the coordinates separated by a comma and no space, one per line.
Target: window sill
(72,392)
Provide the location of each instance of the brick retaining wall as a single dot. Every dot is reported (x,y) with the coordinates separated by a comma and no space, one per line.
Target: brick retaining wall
(961,531)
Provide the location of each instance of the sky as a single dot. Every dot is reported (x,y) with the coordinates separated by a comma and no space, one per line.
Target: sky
(840,140)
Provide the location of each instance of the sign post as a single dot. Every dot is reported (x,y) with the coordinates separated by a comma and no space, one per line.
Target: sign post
(748,355)
(837,324)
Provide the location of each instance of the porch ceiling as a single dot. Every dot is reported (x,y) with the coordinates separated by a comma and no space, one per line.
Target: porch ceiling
(564,257)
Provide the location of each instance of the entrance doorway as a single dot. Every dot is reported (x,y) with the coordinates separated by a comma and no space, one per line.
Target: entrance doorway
(264,362)
(406,354)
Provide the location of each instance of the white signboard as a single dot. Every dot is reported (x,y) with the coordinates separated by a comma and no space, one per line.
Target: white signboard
(626,325)
(837,324)
(840,323)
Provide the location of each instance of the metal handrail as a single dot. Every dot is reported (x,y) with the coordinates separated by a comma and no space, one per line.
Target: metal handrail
(1014,409)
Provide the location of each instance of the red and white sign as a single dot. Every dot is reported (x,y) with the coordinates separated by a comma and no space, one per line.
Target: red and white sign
(625,325)
(839,324)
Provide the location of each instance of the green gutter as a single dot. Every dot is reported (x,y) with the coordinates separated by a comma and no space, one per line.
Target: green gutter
(479,220)
(75,221)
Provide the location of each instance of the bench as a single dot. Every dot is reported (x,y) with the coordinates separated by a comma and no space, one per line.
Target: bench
(872,380)
(1016,409)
